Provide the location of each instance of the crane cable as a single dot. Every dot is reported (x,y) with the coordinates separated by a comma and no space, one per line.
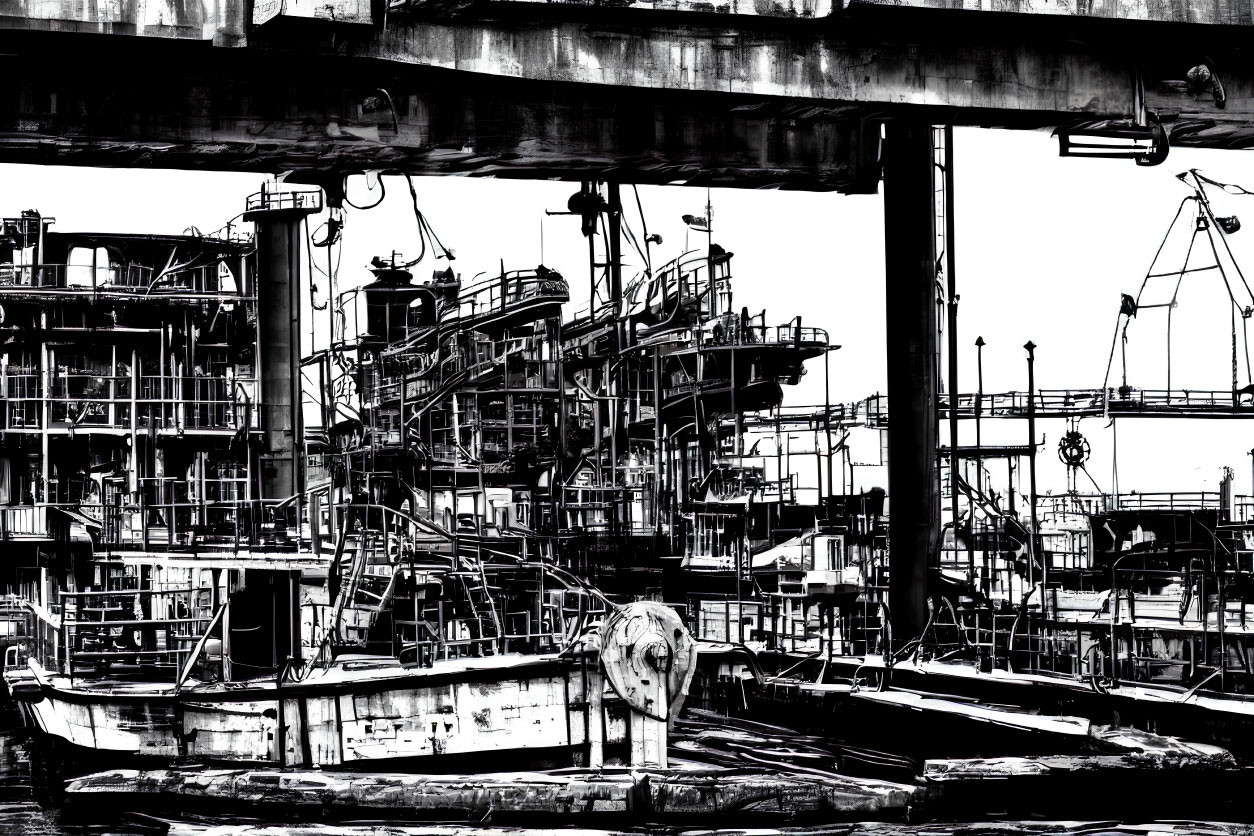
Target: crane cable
(1115,339)
(1207,222)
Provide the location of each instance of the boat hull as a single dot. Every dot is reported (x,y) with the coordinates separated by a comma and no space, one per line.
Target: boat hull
(530,712)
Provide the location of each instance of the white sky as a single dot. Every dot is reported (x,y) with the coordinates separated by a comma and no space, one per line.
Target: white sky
(1045,246)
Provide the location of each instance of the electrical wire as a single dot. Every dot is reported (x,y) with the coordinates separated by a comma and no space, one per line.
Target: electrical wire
(1226,187)
(644,227)
(631,239)
(310,265)
(382,192)
(1235,306)
(1172,304)
(425,231)
(1205,201)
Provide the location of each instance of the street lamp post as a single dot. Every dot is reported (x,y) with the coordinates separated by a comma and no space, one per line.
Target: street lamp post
(979,410)
(1033,551)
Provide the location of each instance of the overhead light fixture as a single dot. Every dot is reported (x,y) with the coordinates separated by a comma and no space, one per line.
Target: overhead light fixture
(1115,139)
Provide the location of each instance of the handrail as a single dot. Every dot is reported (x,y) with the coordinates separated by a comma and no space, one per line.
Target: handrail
(112,278)
(265,201)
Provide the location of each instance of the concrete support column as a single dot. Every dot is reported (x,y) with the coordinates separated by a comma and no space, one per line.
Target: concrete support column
(910,272)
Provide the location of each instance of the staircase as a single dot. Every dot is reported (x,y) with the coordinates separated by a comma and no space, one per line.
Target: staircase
(366,571)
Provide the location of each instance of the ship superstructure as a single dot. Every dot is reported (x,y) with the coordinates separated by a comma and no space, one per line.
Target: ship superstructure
(372,591)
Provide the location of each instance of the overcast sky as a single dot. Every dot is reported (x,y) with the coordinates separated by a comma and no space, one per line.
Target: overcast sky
(1045,246)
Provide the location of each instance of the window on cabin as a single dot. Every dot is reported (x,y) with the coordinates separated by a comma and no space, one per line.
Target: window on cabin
(81,263)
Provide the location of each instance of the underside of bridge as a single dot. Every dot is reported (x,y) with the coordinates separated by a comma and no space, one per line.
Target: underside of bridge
(687,92)
(521,89)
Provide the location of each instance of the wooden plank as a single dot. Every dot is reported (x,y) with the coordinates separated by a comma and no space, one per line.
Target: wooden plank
(731,792)
(655,795)
(417,795)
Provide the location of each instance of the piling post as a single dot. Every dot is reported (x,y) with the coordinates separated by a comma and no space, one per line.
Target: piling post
(912,355)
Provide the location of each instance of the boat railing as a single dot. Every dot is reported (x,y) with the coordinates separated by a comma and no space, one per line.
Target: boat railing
(46,632)
(23,407)
(276,200)
(42,276)
(154,630)
(511,288)
(1167,501)
(725,618)
(197,402)
(23,521)
(730,330)
(1072,503)
(220,521)
(88,399)
(1110,401)
(689,387)
(113,277)
(100,400)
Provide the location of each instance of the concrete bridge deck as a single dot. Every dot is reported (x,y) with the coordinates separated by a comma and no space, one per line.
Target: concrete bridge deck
(734,92)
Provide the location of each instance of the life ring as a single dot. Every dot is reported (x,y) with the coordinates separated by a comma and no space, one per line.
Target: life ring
(1073,449)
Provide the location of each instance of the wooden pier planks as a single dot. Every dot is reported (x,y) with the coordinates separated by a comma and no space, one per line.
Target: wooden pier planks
(655,795)
(412,795)
(711,793)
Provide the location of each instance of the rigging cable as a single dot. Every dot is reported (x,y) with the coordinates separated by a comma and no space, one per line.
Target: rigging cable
(1205,201)
(310,264)
(1115,340)
(644,226)
(631,239)
(382,191)
(1235,307)
(1172,304)
(1226,187)
(425,231)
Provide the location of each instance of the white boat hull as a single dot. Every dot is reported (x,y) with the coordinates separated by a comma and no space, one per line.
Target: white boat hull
(511,706)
